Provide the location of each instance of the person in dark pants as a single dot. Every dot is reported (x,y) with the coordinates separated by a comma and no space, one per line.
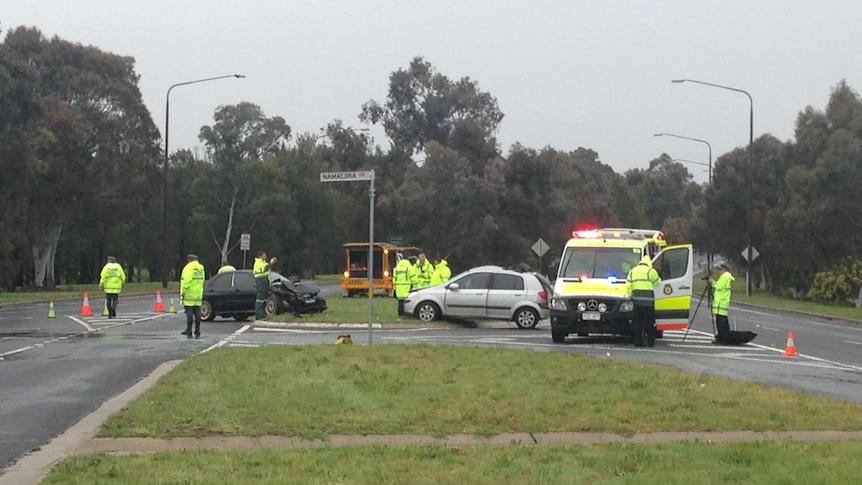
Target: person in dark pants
(640,283)
(261,283)
(192,293)
(721,302)
(112,279)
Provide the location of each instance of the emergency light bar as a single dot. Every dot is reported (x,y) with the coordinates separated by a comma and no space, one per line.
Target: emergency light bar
(618,233)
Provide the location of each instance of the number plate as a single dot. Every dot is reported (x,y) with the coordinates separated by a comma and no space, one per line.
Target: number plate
(309,302)
(591,316)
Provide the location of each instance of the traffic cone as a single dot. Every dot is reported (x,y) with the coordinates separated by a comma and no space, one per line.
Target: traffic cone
(86,311)
(51,313)
(790,349)
(105,312)
(159,307)
(172,308)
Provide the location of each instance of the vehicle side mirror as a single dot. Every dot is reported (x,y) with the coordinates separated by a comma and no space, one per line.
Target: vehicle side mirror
(452,286)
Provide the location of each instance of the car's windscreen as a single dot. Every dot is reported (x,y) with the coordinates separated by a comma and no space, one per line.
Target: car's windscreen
(591,262)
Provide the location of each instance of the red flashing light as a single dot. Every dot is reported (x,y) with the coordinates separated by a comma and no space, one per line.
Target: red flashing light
(587,233)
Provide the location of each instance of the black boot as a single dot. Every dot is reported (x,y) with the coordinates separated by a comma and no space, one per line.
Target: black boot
(188,331)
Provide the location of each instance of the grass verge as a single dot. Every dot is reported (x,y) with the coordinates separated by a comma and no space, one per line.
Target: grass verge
(76,291)
(669,464)
(774,301)
(314,391)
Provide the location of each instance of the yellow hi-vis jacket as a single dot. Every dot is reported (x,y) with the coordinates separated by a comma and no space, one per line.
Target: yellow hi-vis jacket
(112,278)
(640,283)
(721,297)
(401,278)
(441,273)
(192,283)
(261,268)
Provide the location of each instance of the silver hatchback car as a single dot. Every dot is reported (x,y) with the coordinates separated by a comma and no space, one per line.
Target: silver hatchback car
(484,292)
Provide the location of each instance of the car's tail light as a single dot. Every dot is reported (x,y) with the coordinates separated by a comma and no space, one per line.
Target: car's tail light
(543,295)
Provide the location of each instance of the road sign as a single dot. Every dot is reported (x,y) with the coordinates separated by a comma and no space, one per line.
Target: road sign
(396,239)
(346,176)
(754,254)
(540,247)
(244,242)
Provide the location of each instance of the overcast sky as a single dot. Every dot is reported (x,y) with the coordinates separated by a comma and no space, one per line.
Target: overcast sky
(566,73)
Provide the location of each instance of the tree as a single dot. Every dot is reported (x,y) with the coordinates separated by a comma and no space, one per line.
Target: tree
(424,105)
(92,127)
(241,137)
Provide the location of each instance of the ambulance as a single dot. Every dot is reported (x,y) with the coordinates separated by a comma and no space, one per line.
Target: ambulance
(590,289)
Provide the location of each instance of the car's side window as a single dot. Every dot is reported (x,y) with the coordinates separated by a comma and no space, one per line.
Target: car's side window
(221,283)
(478,281)
(507,282)
(243,282)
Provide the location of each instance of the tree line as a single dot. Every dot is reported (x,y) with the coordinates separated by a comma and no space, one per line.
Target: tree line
(83,177)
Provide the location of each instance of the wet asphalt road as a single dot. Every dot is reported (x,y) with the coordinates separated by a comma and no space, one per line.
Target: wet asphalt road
(54,371)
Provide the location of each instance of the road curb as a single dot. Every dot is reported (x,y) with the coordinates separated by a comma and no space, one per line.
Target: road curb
(33,467)
(150,445)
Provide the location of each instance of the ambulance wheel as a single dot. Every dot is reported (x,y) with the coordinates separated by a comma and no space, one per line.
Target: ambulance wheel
(557,336)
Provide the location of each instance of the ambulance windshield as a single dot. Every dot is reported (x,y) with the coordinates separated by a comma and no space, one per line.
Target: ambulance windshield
(598,262)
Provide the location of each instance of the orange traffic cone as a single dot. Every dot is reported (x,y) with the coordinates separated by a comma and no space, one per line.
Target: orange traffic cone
(86,311)
(160,307)
(790,349)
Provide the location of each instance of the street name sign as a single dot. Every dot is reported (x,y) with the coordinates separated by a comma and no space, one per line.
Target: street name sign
(345,176)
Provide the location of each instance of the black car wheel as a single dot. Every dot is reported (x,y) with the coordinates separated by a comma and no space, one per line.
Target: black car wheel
(427,311)
(271,307)
(526,317)
(207,313)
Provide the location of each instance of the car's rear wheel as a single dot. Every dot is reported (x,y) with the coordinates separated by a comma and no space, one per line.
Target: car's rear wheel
(526,317)
(427,311)
(207,313)
(659,333)
(558,336)
(271,306)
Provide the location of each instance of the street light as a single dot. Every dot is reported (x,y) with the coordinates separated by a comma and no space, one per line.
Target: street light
(699,141)
(314,202)
(167,155)
(750,173)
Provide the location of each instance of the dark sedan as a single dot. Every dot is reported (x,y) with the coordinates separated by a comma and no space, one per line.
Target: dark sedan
(232,294)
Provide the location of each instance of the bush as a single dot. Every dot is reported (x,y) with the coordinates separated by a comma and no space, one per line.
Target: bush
(838,285)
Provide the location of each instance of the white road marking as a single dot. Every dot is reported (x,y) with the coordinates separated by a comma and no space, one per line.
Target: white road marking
(81,323)
(852,342)
(764,327)
(227,339)
(16,351)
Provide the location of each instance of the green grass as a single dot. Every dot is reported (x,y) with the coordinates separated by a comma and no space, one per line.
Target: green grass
(76,291)
(766,463)
(314,391)
(355,310)
(769,300)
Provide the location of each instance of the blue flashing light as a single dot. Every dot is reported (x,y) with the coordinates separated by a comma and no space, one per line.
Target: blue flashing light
(612,279)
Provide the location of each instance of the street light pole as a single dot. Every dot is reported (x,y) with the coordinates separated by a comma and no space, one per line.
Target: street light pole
(750,173)
(167,157)
(314,203)
(709,182)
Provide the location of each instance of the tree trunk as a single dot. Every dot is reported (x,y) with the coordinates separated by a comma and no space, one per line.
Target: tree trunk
(44,248)
(226,245)
(859,298)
